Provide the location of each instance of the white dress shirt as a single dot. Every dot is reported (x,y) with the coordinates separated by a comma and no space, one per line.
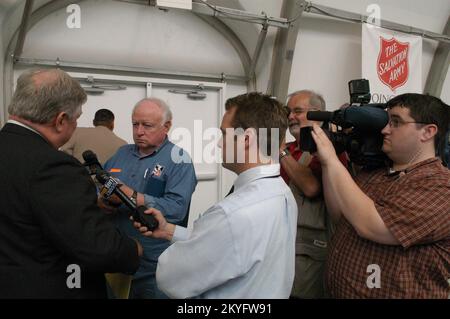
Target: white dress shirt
(242,247)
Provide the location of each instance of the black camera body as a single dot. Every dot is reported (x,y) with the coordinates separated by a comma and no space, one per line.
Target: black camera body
(358,129)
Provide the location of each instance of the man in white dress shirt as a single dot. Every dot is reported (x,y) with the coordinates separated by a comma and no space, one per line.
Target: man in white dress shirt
(244,246)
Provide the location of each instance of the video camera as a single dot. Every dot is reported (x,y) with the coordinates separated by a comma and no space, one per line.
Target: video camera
(358,129)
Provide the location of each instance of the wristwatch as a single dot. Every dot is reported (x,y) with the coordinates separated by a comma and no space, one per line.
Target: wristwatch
(134,197)
(284,153)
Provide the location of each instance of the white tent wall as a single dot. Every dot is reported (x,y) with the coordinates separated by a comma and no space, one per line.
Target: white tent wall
(445,95)
(10,19)
(327,54)
(249,33)
(431,15)
(328,51)
(117,33)
(6,17)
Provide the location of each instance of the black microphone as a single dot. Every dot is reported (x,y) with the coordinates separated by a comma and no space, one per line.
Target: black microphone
(111,186)
(91,162)
(320,116)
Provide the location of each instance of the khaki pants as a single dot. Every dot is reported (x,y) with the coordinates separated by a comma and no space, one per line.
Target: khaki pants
(119,284)
(309,278)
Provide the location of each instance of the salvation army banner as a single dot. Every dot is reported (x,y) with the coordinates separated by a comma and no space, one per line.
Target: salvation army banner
(391,61)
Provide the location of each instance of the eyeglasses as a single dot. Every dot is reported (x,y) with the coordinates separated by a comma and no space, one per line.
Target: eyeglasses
(397,122)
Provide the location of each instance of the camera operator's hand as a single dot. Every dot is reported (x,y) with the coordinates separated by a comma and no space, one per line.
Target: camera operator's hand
(165,230)
(325,149)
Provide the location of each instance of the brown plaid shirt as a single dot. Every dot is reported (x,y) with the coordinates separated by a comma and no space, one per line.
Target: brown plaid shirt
(415,206)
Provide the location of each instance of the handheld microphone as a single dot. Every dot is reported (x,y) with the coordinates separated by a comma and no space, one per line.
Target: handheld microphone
(111,186)
(91,162)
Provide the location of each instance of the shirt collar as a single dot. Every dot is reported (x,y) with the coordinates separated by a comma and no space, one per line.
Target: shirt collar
(25,126)
(413,167)
(135,149)
(255,173)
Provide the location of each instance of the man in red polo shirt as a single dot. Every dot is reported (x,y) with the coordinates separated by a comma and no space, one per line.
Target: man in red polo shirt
(302,172)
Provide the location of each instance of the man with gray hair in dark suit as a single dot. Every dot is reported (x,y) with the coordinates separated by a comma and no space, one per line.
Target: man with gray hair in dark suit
(56,242)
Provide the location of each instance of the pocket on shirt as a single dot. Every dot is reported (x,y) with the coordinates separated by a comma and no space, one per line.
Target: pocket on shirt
(155,186)
(312,243)
(311,250)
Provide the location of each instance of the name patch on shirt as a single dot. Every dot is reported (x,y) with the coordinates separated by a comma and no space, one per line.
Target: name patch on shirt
(157,170)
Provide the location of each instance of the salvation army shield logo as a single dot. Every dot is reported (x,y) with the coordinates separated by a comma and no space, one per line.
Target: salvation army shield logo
(392,64)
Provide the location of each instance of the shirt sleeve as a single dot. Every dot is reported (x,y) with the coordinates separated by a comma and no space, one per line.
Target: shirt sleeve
(180,185)
(206,260)
(417,212)
(110,161)
(180,233)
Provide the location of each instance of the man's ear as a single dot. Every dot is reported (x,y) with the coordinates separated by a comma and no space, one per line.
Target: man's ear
(429,131)
(60,120)
(168,125)
(251,137)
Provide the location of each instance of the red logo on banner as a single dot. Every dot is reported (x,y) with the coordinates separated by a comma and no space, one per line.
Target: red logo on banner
(392,64)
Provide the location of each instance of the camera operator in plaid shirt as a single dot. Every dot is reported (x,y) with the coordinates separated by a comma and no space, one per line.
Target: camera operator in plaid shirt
(393,233)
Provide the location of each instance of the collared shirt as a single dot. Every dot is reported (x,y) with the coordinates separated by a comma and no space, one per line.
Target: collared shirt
(166,184)
(242,247)
(25,126)
(415,206)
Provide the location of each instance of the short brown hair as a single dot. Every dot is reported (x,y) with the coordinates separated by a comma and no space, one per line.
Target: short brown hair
(259,111)
(103,117)
(426,109)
